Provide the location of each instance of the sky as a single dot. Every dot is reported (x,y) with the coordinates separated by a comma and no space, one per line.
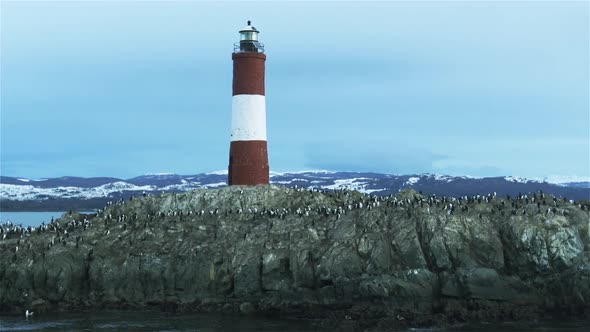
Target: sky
(124,88)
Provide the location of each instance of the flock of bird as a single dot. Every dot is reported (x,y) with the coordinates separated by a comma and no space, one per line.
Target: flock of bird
(523,204)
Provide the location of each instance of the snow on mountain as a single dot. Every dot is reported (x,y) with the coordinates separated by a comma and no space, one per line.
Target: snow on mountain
(411,181)
(449,178)
(28,192)
(565,179)
(220,172)
(516,179)
(292,180)
(353,184)
(23,189)
(215,185)
(317,171)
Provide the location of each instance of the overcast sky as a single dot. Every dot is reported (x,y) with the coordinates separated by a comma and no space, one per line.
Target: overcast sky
(120,89)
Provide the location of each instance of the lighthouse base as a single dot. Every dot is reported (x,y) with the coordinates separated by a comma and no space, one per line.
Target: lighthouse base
(248,163)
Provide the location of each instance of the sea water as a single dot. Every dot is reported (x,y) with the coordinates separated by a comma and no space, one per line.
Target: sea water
(150,321)
(33,219)
(214,322)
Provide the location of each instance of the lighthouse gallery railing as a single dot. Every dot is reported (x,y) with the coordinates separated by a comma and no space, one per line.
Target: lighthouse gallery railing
(254,47)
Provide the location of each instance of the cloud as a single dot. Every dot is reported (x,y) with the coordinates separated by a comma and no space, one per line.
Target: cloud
(468,169)
(367,155)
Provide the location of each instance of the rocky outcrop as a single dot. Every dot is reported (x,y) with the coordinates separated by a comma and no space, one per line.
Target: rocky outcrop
(352,258)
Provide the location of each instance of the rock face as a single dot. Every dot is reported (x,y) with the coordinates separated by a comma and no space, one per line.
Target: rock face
(407,259)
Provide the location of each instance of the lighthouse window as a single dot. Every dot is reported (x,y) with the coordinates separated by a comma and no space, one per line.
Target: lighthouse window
(249,35)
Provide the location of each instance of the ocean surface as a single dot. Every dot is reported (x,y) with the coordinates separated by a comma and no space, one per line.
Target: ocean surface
(149,321)
(33,219)
(212,322)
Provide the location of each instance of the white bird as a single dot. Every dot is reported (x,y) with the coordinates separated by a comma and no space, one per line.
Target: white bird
(28,313)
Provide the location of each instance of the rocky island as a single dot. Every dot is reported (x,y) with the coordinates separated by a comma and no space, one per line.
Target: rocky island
(345,258)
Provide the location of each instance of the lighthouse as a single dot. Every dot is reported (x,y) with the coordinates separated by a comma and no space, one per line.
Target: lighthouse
(248,154)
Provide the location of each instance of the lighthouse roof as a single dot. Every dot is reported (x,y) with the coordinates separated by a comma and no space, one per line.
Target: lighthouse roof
(248,28)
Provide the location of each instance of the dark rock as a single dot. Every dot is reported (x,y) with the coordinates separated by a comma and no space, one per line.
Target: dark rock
(395,262)
(247,308)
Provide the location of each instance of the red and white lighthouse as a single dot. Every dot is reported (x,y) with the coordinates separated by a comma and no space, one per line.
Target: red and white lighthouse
(248,155)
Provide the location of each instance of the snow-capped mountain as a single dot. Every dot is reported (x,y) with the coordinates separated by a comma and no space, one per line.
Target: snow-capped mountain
(21,193)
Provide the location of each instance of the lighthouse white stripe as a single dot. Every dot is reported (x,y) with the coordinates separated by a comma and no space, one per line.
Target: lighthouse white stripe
(248,118)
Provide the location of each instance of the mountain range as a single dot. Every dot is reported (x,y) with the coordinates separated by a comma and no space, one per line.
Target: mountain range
(65,193)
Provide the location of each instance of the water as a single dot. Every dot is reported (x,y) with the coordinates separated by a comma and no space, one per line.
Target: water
(33,219)
(150,321)
(543,326)
(213,322)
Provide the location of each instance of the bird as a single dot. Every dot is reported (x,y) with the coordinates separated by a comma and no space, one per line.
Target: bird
(28,313)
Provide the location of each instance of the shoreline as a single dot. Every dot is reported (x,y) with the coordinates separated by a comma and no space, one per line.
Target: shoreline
(357,317)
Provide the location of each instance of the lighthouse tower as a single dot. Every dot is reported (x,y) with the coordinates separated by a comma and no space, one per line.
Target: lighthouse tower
(248,156)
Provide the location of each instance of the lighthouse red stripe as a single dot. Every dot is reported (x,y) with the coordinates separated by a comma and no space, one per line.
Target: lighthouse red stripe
(248,73)
(248,163)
